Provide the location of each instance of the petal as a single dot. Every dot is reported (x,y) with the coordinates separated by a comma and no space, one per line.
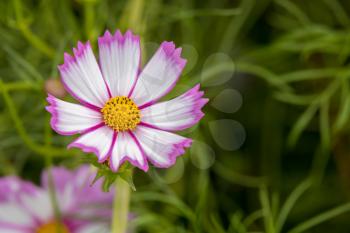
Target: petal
(76,196)
(127,148)
(13,213)
(161,147)
(39,205)
(159,76)
(94,228)
(82,179)
(64,183)
(177,114)
(82,77)
(10,228)
(11,187)
(68,118)
(30,203)
(60,175)
(120,58)
(97,141)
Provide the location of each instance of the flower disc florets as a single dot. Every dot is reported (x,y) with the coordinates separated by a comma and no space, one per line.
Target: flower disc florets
(121,114)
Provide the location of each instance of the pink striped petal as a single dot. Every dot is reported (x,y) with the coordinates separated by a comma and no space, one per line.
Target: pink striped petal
(11,187)
(82,77)
(120,58)
(127,148)
(12,228)
(27,211)
(22,205)
(177,114)
(97,141)
(69,119)
(94,228)
(159,76)
(12,213)
(161,147)
(38,206)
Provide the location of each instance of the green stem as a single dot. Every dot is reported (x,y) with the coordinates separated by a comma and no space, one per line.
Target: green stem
(38,43)
(43,150)
(302,227)
(23,86)
(290,203)
(266,210)
(89,18)
(121,206)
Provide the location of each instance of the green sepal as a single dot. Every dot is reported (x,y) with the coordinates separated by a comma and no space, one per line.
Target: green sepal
(127,175)
(104,172)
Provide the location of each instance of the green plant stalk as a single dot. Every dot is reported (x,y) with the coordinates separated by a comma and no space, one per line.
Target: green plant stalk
(89,18)
(39,149)
(174,201)
(250,219)
(290,203)
(304,226)
(266,210)
(121,206)
(132,16)
(36,41)
(28,34)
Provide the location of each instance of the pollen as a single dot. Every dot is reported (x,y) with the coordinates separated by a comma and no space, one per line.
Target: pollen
(121,114)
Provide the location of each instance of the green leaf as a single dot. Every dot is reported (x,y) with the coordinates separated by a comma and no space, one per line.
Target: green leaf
(344,111)
(318,219)
(22,63)
(290,203)
(301,124)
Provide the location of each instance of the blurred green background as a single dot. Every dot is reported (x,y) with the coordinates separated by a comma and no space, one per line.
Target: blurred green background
(272,153)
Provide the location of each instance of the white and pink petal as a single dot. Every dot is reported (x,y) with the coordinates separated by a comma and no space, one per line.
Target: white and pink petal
(9,228)
(127,148)
(161,147)
(94,228)
(38,206)
(120,58)
(11,187)
(82,77)
(25,212)
(159,75)
(98,141)
(179,113)
(68,118)
(14,217)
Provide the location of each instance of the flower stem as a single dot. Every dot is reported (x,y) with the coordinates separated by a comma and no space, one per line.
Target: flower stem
(121,206)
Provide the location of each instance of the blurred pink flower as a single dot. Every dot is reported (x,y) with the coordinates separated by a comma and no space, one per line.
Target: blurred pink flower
(26,208)
(118,115)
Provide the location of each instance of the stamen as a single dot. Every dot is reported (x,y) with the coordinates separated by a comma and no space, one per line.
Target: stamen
(121,114)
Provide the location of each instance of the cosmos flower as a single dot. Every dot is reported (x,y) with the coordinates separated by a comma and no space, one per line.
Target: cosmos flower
(26,208)
(118,117)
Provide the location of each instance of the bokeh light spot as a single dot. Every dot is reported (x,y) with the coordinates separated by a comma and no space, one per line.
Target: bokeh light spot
(228,134)
(202,155)
(228,101)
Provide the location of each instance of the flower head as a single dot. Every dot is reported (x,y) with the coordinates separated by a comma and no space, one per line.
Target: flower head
(26,208)
(118,117)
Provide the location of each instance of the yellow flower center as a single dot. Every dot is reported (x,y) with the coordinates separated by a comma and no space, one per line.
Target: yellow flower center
(52,227)
(121,113)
